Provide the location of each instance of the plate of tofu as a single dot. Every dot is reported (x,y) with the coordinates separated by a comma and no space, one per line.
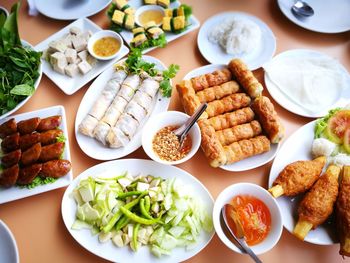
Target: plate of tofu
(126,17)
(66,60)
(113,111)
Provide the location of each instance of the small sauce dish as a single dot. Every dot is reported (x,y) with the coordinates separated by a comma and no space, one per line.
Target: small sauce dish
(148,13)
(105,44)
(4,11)
(256,193)
(151,138)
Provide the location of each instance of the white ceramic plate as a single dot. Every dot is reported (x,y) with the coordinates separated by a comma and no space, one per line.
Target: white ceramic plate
(329,17)
(70,9)
(251,162)
(8,246)
(94,148)
(193,21)
(134,166)
(292,106)
(36,84)
(298,147)
(216,55)
(14,193)
(67,84)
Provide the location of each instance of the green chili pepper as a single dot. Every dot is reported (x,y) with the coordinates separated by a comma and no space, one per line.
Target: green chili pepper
(134,237)
(139,219)
(143,209)
(122,222)
(117,215)
(147,203)
(127,194)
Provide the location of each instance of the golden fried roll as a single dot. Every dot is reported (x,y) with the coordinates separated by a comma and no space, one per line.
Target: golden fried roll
(268,118)
(239,132)
(297,177)
(215,78)
(245,77)
(229,103)
(246,148)
(317,204)
(343,213)
(211,146)
(188,97)
(218,92)
(231,119)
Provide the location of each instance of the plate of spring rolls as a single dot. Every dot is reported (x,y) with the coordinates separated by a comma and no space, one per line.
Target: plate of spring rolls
(114,109)
(294,166)
(235,133)
(35,154)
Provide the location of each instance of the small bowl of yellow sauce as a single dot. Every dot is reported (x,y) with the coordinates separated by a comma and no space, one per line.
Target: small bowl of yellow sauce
(105,44)
(148,13)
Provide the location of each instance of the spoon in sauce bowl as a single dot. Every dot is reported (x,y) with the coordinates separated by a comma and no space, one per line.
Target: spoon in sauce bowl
(239,236)
(302,9)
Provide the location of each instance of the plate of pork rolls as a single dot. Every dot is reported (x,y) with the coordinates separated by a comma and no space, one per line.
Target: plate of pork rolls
(312,193)
(111,115)
(240,128)
(35,154)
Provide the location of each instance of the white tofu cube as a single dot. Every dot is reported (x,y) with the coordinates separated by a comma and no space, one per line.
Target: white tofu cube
(67,40)
(75,30)
(79,43)
(71,55)
(71,70)
(85,35)
(58,58)
(84,67)
(59,69)
(91,60)
(58,46)
(83,54)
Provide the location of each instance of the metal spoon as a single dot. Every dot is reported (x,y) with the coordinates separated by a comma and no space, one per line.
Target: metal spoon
(184,129)
(301,8)
(239,238)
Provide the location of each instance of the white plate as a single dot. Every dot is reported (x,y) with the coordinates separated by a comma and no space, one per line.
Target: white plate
(298,147)
(216,55)
(14,192)
(67,84)
(290,105)
(329,17)
(70,9)
(193,21)
(134,166)
(8,246)
(251,162)
(36,84)
(94,148)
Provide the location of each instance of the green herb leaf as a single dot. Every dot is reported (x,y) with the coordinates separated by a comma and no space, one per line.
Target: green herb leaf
(22,89)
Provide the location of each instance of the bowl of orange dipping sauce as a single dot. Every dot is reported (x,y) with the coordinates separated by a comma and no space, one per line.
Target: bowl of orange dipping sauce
(105,44)
(258,213)
(147,13)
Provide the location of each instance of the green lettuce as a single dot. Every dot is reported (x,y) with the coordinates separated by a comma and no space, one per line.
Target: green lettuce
(321,124)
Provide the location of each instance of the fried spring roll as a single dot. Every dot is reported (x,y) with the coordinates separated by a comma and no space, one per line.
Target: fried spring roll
(55,168)
(188,96)
(317,205)
(218,92)
(246,148)
(50,136)
(51,151)
(215,78)
(27,174)
(28,140)
(297,177)
(229,103)
(10,143)
(28,126)
(231,119)
(7,128)
(343,213)
(268,118)
(239,132)
(11,158)
(49,123)
(245,77)
(9,176)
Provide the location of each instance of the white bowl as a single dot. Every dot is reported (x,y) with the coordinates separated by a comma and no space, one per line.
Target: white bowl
(100,34)
(8,245)
(169,118)
(257,191)
(144,8)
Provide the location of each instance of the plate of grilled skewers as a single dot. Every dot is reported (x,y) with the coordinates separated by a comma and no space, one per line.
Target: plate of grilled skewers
(240,127)
(310,178)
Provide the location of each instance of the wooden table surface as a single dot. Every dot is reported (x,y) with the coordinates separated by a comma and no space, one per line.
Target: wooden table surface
(36,221)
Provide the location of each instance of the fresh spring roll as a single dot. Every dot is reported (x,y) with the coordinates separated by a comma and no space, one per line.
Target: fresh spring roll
(136,111)
(150,87)
(114,111)
(144,100)
(127,124)
(116,138)
(101,131)
(231,119)
(88,125)
(218,92)
(129,87)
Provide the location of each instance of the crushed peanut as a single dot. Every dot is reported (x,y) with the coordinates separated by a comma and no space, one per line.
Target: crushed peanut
(167,146)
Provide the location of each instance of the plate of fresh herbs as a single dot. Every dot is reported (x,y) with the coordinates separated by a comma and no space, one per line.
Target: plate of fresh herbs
(134,64)
(20,66)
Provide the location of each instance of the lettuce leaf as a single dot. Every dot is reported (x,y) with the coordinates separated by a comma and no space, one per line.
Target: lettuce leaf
(321,124)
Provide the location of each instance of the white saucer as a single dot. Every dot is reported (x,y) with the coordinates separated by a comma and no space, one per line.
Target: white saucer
(8,246)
